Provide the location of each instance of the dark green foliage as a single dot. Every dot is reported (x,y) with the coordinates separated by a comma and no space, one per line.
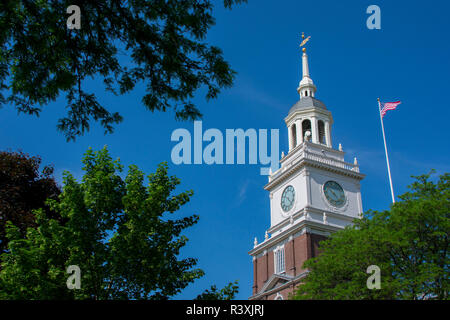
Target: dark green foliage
(158,43)
(24,186)
(409,243)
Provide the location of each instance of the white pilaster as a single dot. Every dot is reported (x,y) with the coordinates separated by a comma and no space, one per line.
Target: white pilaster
(359,200)
(315,138)
(298,125)
(290,137)
(328,134)
(308,187)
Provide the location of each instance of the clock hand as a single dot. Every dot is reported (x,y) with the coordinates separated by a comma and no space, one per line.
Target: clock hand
(336,196)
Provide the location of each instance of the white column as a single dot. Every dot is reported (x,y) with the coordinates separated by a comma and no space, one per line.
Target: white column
(314,130)
(358,196)
(290,137)
(272,221)
(298,126)
(305,174)
(328,134)
(294,136)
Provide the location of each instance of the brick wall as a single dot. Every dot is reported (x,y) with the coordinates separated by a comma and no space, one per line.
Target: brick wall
(296,252)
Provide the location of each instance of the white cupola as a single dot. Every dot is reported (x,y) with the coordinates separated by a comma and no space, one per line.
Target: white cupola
(308,120)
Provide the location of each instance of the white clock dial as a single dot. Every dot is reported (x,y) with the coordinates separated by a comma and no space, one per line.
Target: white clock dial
(287,198)
(334,193)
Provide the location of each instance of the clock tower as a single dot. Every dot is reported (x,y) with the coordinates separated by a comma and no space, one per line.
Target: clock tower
(314,193)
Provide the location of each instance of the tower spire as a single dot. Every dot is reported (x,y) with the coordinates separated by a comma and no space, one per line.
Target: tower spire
(306,86)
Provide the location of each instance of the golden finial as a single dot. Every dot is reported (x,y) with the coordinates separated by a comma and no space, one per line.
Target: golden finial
(304,41)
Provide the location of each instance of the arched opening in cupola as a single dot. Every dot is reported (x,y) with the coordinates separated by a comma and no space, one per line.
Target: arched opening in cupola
(306,126)
(321,127)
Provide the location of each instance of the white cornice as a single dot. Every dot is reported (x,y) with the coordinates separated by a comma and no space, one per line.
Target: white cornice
(305,112)
(298,214)
(309,144)
(281,177)
(304,226)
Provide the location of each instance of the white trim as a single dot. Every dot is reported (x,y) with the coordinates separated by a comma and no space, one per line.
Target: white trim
(279,260)
(268,288)
(286,171)
(278,297)
(296,229)
(269,285)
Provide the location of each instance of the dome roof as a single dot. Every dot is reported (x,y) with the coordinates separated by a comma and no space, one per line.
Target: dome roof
(307,103)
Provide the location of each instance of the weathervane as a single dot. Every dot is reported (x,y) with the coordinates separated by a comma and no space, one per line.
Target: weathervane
(304,41)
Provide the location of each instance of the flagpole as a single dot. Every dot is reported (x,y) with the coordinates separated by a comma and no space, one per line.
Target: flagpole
(385,149)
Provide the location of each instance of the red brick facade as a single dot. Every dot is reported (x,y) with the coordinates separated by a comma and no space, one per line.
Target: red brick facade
(296,252)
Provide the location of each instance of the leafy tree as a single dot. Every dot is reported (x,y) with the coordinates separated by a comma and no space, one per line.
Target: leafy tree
(227,293)
(159,43)
(409,243)
(117,231)
(23,188)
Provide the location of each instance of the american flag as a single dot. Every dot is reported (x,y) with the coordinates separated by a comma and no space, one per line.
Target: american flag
(384,107)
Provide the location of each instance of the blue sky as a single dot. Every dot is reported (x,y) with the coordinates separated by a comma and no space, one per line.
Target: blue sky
(407,60)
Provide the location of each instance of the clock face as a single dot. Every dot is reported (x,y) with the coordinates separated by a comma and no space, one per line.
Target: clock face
(334,193)
(287,198)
